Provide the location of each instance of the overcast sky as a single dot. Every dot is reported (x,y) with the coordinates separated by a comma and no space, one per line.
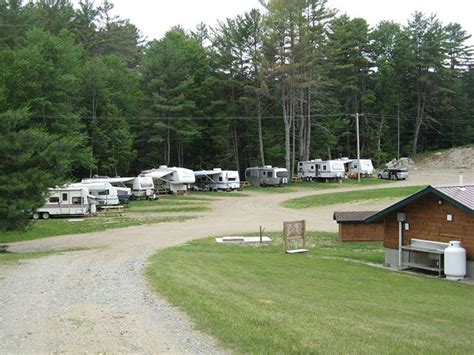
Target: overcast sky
(155,17)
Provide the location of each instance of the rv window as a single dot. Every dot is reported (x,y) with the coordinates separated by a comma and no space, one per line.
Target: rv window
(269,173)
(312,167)
(301,164)
(54,199)
(232,179)
(103,192)
(146,185)
(220,178)
(282,174)
(77,200)
(247,173)
(65,197)
(324,167)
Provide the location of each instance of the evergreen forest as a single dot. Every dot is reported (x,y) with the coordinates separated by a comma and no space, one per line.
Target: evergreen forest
(83,92)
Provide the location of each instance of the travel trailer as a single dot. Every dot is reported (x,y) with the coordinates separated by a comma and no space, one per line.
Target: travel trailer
(217,179)
(128,187)
(174,179)
(104,192)
(66,201)
(366,167)
(267,176)
(318,169)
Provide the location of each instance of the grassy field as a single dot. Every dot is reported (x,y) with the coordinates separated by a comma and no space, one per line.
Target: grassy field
(292,187)
(167,209)
(259,300)
(350,196)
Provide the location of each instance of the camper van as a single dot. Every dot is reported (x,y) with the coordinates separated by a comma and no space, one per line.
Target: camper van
(366,167)
(104,192)
(317,169)
(267,176)
(174,179)
(66,201)
(217,179)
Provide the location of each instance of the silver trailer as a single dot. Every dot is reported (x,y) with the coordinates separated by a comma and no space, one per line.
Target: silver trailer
(267,176)
(66,201)
(317,169)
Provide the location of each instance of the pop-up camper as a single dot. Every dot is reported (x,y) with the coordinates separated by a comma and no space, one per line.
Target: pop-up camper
(174,179)
(66,201)
(267,176)
(217,179)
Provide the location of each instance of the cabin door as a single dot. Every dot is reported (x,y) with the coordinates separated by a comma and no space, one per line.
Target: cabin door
(65,207)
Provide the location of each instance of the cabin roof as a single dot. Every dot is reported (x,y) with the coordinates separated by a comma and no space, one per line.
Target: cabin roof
(461,196)
(356,216)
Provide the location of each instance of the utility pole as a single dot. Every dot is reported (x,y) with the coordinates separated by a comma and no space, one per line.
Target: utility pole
(358,147)
(398,131)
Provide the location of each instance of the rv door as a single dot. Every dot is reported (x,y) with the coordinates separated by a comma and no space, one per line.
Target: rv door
(64,206)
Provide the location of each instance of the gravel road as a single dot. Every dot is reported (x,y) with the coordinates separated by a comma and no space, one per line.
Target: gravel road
(97,300)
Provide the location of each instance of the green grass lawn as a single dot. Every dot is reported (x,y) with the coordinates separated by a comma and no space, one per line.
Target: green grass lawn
(135,213)
(14,258)
(351,196)
(259,300)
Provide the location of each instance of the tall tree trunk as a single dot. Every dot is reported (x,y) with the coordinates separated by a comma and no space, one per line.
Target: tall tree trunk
(419,117)
(286,121)
(236,145)
(293,148)
(302,129)
(168,143)
(260,132)
(379,141)
(307,152)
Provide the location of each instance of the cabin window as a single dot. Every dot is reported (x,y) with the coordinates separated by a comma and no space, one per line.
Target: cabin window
(220,178)
(65,197)
(77,200)
(103,192)
(54,199)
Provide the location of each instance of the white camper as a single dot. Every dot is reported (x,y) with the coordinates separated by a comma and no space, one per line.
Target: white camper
(104,192)
(366,167)
(128,187)
(217,179)
(66,201)
(267,176)
(174,179)
(318,169)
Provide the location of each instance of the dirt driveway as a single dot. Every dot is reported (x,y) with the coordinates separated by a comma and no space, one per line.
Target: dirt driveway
(96,300)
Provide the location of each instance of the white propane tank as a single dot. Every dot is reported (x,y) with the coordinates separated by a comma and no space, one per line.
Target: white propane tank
(455,261)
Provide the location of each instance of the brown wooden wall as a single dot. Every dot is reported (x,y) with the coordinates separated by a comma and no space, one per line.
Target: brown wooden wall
(359,232)
(427,220)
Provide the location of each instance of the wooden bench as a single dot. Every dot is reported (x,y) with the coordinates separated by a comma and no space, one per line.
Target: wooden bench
(244,184)
(118,209)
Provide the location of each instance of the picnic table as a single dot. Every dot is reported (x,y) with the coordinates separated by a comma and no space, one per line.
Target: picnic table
(118,209)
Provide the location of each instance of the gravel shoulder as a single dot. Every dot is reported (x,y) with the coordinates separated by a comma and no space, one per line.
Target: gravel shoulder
(97,300)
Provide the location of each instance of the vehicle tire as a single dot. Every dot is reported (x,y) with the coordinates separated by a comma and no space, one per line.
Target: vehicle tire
(36,216)
(379,176)
(45,215)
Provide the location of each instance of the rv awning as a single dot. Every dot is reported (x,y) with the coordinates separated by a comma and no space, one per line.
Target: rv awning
(158,174)
(203,173)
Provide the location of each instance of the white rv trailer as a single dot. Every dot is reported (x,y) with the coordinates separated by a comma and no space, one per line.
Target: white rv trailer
(104,192)
(217,179)
(318,169)
(267,176)
(127,187)
(366,167)
(175,179)
(66,201)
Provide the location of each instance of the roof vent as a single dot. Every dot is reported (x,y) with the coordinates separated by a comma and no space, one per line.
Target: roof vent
(461,183)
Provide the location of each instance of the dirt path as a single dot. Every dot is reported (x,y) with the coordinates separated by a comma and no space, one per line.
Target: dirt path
(97,300)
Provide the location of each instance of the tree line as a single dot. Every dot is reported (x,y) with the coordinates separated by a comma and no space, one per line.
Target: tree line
(83,93)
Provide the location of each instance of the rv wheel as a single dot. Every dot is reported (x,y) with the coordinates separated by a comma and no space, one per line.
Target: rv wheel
(45,215)
(36,215)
